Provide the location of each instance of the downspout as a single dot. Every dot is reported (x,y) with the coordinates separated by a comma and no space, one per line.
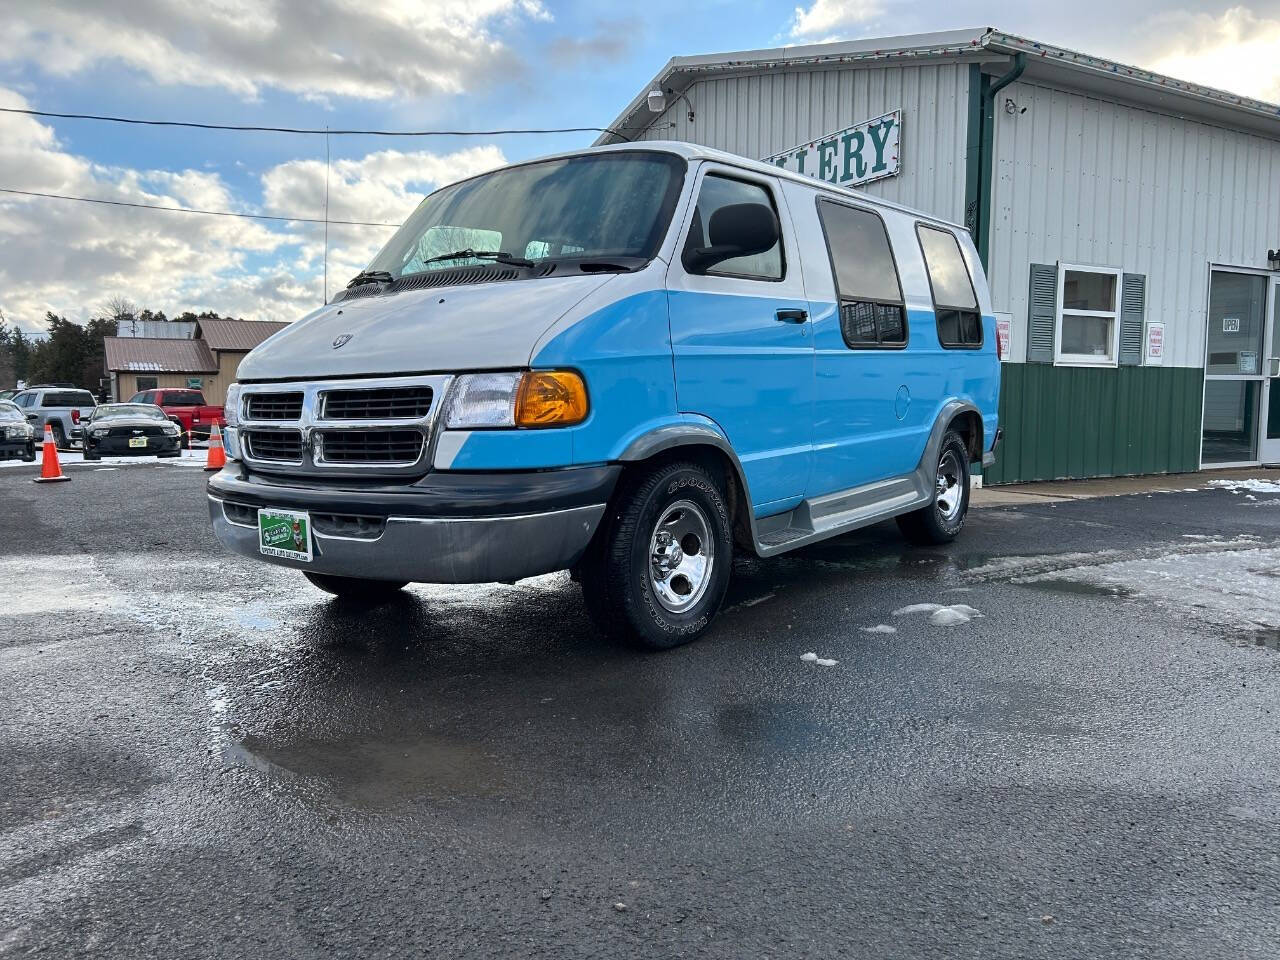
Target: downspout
(981,146)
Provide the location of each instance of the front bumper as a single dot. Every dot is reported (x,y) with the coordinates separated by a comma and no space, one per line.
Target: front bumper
(119,446)
(17,449)
(444,528)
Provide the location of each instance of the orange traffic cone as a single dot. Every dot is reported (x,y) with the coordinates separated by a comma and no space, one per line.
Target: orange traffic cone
(217,456)
(50,469)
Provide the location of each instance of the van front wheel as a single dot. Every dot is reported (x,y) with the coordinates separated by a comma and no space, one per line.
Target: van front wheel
(942,520)
(660,565)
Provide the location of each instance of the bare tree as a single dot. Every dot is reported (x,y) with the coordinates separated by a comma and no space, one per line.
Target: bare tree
(119,308)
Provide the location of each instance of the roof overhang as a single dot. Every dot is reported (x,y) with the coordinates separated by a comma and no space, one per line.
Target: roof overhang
(1057,66)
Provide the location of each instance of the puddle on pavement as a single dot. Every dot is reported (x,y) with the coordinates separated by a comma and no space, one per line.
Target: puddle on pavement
(1268,638)
(1079,588)
(374,771)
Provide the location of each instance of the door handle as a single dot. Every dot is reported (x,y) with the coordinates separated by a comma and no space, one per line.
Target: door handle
(792,316)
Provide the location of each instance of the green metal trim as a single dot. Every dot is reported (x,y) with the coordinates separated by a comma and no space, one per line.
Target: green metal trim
(980,149)
(1070,422)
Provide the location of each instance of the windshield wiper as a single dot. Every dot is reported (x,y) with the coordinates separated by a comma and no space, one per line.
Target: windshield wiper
(370,276)
(500,256)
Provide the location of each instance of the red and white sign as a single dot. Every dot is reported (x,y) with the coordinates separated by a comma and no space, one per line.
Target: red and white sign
(1004,334)
(1155,344)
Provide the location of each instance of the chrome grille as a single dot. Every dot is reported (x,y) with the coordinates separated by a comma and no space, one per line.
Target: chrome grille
(370,446)
(378,403)
(274,406)
(275,446)
(369,427)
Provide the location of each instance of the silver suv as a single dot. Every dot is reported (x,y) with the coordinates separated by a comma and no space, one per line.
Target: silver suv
(59,407)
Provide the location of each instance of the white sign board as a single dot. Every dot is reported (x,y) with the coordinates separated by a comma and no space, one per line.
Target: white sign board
(1155,344)
(858,154)
(1004,335)
(1230,324)
(1248,361)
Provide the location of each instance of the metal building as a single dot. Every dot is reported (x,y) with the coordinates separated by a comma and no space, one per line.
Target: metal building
(1129,221)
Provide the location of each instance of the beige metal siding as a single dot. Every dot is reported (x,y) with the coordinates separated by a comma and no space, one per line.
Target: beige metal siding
(1087,180)
(763,114)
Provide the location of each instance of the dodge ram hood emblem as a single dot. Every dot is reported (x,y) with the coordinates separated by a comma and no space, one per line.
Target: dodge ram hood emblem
(340,340)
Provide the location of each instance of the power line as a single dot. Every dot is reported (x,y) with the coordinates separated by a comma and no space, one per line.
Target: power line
(207,213)
(307,130)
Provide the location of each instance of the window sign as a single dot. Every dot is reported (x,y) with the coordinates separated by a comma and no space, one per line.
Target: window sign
(1248,361)
(195,383)
(1155,344)
(1230,324)
(858,154)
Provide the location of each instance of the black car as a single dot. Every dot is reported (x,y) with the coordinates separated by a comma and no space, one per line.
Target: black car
(17,437)
(122,429)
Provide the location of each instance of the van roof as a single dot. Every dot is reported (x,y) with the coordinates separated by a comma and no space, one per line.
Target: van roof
(693,151)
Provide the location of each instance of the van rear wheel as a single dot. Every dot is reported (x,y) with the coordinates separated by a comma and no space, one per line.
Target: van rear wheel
(659,567)
(943,519)
(357,589)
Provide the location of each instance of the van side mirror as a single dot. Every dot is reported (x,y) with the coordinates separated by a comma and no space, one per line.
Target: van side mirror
(735,230)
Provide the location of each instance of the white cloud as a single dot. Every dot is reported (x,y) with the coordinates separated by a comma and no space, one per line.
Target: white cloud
(825,16)
(310,47)
(71,257)
(1237,51)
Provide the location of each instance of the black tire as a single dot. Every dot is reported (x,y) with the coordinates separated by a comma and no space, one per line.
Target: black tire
(59,437)
(937,524)
(356,589)
(621,590)
(94,455)
(29,456)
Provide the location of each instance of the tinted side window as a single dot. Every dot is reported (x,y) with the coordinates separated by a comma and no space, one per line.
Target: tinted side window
(871,308)
(24,399)
(69,398)
(717,192)
(954,302)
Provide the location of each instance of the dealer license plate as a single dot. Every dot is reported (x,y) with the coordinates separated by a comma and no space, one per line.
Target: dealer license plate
(137,441)
(285,533)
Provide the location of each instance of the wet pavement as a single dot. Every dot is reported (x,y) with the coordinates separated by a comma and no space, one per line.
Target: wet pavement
(202,756)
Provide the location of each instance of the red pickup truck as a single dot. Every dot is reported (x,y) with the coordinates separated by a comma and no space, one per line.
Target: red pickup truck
(187,409)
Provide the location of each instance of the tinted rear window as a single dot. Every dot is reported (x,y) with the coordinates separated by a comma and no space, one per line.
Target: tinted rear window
(68,398)
(182,398)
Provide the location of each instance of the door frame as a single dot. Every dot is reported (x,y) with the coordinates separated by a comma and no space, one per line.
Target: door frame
(1271,353)
(1261,378)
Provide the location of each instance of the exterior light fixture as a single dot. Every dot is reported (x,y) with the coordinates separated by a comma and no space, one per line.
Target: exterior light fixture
(656,99)
(1273,259)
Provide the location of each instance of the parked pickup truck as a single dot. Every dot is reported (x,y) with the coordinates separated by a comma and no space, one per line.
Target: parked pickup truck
(187,409)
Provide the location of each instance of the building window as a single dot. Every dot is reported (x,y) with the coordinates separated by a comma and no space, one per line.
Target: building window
(954,302)
(147,383)
(867,287)
(1088,329)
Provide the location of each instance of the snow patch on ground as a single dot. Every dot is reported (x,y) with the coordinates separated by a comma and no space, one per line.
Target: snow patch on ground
(826,663)
(1252,484)
(73,458)
(917,608)
(947,617)
(1235,588)
(880,628)
(809,657)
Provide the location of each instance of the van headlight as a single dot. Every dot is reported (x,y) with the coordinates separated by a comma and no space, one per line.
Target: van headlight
(532,398)
(231,405)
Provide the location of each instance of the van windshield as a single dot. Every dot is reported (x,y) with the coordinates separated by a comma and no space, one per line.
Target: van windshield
(599,206)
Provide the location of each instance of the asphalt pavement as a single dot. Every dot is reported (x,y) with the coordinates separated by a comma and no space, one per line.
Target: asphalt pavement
(202,756)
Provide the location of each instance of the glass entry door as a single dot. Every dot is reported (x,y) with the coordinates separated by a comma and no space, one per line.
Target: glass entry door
(1270,452)
(1237,357)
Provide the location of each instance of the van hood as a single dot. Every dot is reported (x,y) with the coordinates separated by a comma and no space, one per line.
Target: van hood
(438,330)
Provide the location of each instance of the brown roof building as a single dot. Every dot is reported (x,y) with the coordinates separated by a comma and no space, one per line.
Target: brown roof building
(206,362)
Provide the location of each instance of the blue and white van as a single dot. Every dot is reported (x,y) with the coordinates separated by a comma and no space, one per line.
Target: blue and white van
(626,362)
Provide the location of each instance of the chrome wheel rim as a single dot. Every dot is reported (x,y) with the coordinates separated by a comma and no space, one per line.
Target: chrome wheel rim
(681,556)
(949,488)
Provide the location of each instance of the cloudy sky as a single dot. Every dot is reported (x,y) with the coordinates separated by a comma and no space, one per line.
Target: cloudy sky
(460,64)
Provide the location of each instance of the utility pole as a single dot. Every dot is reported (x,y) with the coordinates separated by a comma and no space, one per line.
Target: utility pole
(326,215)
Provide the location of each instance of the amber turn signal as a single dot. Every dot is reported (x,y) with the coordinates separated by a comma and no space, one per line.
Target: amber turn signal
(551,398)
